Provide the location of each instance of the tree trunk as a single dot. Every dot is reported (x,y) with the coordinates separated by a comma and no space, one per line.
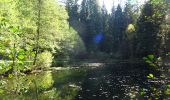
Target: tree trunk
(38,32)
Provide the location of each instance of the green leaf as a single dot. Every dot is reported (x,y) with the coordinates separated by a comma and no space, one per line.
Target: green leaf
(148,61)
(152,64)
(142,92)
(1,91)
(10,75)
(13,29)
(10,56)
(168,86)
(1,67)
(33,54)
(21,62)
(151,57)
(150,76)
(21,51)
(21,57)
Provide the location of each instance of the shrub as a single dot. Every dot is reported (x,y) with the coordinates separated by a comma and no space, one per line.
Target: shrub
(44,60)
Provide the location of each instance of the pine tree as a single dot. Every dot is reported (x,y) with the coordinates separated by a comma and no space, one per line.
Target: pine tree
(111,20)
(118,28)
(90,15)
(72,9)
(106,44)
(105,19)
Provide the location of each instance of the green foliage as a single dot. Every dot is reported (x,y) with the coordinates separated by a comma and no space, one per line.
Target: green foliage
(142,92)
(153,61)
(149,37)
(18,29)
(44,60)
(4,66)
(167,91)
(151,57)
(130,28)
(10,75)
(150,76)
(168,86)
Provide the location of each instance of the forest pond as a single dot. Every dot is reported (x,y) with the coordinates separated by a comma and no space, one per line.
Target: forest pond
(109,82)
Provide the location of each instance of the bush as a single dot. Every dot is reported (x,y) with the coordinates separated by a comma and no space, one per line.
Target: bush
(44,60)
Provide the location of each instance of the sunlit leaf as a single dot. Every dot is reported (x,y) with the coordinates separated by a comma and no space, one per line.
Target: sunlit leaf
(33,54)
(150,76)
(13,29)
(21,51)
(10,56)
(21,57)
(1,91)
(10,75)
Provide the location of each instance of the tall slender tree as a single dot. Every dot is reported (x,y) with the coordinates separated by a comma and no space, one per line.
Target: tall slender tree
(39,4)
(118,27)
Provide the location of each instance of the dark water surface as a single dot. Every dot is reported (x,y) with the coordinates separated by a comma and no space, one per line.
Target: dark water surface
(113,83)
(110,82)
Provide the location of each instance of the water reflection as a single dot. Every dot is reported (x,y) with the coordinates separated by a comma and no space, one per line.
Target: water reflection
(117,83)
(60,85)
(111,82)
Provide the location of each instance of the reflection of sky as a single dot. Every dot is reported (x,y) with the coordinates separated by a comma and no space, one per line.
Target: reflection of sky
(98,38)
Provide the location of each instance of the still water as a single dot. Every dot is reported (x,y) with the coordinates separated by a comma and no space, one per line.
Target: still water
(110,82)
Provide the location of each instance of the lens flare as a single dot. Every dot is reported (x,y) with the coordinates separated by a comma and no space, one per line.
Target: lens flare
(98,38)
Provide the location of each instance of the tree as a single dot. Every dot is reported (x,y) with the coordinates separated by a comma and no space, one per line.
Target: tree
(164,32)
(37,28)
(105,44)
(72,9)
(127,45)
(90,15)
(118,28)
(148,27)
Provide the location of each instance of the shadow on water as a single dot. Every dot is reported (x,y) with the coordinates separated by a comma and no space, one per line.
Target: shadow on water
(123,81)
(110,82)
(113,82)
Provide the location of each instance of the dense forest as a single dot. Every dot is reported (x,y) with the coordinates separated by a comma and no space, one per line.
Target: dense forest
(50,48)
(125,32)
